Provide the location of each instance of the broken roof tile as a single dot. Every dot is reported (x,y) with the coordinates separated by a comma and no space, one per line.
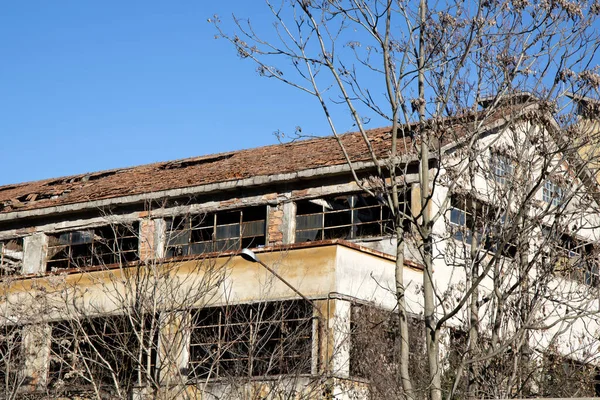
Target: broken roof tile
(197,171)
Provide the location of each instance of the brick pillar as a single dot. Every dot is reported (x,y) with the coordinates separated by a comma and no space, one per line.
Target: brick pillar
(275,226)
(152,239)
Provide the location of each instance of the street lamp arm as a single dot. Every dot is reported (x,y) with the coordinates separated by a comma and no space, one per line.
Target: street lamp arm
(249,255)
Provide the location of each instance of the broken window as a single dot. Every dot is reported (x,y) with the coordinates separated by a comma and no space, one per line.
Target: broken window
(259,339)
(103,351)
(111,244)
(563,377)
(347,216)
(216,232)
(490,224)
(11,256)
(11,357)
(573,259)
(374,343)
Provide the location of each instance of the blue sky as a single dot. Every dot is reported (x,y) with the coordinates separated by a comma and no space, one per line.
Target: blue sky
(87,86)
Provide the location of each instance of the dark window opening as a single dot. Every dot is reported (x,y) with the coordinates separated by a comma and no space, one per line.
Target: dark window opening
(564,378)
(11,256)
(571,258)
(348,216)
(111,244)
(374,344)
(490,224)
(104,351)
(261,339)
(216,232)
(11,358)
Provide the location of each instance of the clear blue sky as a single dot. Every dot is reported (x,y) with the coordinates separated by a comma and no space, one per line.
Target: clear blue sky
(87,86)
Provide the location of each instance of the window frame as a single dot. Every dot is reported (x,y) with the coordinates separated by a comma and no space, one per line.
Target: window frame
(12,348)
(196,234)
(552,193)
(460,220)
(69,337)
(576,259)
(502,166)
(227,341)
(320,224)
(104,245)
(6,258)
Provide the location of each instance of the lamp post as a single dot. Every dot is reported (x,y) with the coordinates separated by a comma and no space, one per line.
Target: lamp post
(249,255)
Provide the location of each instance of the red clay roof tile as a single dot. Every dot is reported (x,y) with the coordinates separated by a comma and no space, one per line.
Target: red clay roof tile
(269,160)
(215,168)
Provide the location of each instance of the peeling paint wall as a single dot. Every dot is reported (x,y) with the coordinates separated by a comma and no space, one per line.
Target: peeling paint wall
(34,256)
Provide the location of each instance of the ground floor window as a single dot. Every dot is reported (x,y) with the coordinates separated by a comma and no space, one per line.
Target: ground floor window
(261,339)
(107,352)
(564,377)
(11,358)
(374,355)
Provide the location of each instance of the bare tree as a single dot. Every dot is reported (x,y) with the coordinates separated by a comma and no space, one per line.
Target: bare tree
(130,309)
(455,83)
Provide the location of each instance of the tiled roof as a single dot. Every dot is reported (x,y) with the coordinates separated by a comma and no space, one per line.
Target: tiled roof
(216,168)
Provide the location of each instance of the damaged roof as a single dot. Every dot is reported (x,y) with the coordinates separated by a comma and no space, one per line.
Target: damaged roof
(217,168)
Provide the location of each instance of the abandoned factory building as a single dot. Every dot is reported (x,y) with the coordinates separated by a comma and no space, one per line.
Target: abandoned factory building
(69,246)
(128,282)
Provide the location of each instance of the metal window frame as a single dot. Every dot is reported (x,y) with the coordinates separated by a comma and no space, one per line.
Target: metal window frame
(223,345)
(352,209)
(70,331)
(195,222)
(100,245)
(9,267)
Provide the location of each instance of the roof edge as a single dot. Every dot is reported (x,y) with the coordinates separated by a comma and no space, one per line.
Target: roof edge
(208,188)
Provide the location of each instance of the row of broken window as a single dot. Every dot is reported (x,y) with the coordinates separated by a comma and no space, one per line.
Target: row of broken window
(374,356)
(348,216)
(121,352)
(473,222)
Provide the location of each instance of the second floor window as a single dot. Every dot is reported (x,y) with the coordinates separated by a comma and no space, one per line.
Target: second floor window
(11,256)
(215,232)
(106,245)
(489,224)
(552,193)
(502,168)
(347,216)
